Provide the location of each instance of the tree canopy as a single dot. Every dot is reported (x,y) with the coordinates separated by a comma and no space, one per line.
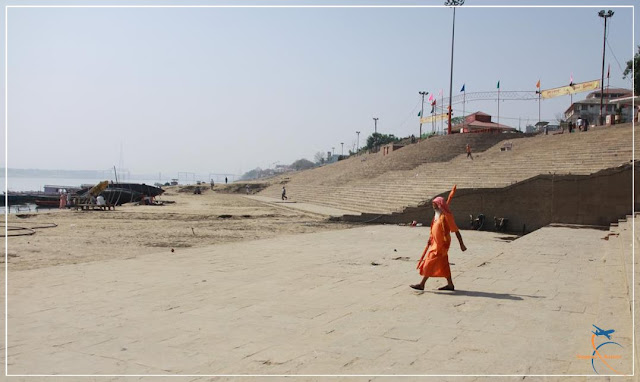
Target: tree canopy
(302,164)
(634,75)
(377,139)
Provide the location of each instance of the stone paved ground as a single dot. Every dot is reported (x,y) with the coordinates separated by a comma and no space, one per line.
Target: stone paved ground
(328,303)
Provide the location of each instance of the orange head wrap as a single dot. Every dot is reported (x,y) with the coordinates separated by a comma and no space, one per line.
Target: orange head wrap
(442,206)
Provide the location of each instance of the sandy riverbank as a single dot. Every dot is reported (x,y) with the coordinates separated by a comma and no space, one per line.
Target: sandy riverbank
(131,230)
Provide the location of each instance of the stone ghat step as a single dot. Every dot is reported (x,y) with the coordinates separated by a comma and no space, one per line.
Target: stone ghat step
(360,202)
(395,198)
(361,208)
(363,201)
(574,165)
(395,191)
(493,168)
(401,194)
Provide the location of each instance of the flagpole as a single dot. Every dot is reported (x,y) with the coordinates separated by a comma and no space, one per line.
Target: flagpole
(539,95)
(464,100)
(421,113)
(433,120)
(442,107)
(571,91)
(498,103)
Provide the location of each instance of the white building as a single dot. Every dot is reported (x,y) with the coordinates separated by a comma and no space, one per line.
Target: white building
(589,108)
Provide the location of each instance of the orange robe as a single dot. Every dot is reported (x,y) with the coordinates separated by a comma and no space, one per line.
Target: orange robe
(435,258)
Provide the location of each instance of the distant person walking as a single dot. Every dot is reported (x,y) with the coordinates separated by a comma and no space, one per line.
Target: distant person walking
(435,258)
(247,189)
(225,180)
(212,184)
(284,193)
(469,151)
(63,200)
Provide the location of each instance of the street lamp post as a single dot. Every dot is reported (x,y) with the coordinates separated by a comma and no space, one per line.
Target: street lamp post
(358,142)
(375,125)
(342,149)
(604,43)
(454,3)
(422,112)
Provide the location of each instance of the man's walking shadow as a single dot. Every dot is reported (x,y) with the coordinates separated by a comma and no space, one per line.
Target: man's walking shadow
(499,296)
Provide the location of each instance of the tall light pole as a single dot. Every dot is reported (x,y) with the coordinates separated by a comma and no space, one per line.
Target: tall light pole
(358,142)
(454,3)
(342,149)
(604,43)
(422,112)
(375,125)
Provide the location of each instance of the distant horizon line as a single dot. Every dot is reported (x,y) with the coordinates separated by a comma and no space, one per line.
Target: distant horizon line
(58,173)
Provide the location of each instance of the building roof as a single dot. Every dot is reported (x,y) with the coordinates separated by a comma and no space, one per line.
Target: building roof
(610,90)
(471,123)
(596,101)
(625,100)
(477,125)
(487,125)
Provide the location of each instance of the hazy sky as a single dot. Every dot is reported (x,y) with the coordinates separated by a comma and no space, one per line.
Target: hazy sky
(225,90)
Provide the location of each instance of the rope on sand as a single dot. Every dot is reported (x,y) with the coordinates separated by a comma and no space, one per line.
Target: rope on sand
(26,231)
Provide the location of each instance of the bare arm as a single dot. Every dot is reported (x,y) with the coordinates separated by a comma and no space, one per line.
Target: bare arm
(462,246)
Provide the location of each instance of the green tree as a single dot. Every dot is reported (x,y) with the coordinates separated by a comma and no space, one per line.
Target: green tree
(377,139)
(634,76)
(457,120)
(302,164)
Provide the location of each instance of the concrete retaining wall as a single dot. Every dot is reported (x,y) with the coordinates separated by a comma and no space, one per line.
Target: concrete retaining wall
(597,199)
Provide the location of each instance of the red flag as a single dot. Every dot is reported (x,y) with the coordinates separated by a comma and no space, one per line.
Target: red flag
(538,84)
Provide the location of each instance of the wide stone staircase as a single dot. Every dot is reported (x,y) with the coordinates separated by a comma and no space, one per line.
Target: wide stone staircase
(412,175)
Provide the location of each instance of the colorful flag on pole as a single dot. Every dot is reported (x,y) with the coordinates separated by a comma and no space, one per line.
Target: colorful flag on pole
(608,70)
(440,93)
(462,87)
(538,84)
(420,113)
(571,79)
(498,86)
(430,97)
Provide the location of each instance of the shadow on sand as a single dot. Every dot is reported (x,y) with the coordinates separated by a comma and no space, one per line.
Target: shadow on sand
(499,296)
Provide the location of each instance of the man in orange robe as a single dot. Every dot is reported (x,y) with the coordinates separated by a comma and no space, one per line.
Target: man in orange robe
(436,261)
